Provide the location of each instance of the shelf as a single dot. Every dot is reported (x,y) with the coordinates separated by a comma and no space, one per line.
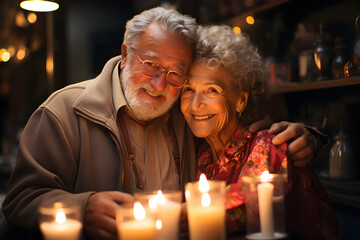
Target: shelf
(299,87)
(261,8)
(343,192)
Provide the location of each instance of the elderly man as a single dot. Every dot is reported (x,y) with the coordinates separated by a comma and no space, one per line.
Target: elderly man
(98,141)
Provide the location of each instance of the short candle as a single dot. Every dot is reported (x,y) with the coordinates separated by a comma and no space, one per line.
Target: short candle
(61,228)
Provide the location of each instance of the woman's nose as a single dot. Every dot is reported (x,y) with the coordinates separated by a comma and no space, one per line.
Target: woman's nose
(197,101)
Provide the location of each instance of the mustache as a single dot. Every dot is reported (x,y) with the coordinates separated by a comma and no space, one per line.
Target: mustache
(148,87)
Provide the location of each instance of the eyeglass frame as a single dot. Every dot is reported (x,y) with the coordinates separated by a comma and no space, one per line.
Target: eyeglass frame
(162,69)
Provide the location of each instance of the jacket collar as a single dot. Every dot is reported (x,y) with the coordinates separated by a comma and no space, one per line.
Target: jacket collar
(98,101)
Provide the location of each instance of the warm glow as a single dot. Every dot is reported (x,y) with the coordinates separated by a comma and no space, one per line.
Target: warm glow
(139,211)
(160,197)
(237,30)
(21,54)
(60,217)
(49,65)
(203,184)
(187,194)
(20,20)
(11,50)
(39,5)
(205,200)
(250,20)
(5,56)
(158,224)
(31,17)
(153,203)
(266,176)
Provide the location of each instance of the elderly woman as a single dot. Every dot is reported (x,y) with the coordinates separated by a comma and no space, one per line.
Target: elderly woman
(225,92)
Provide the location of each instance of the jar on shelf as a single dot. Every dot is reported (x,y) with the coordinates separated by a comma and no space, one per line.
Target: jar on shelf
(352,67)
(340,58)
(342,159)
(322,57)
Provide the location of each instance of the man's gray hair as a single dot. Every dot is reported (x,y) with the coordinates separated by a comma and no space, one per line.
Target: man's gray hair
(169,20)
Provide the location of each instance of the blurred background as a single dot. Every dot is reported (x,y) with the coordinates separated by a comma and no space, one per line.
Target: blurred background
(41,52)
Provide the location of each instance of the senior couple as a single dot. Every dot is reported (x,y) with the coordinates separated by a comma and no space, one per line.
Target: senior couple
(98,141)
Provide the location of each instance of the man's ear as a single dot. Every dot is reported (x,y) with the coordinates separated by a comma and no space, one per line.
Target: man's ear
(124,54)
(242,102)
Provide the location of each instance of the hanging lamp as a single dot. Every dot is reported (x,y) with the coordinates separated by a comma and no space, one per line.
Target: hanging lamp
(39,5)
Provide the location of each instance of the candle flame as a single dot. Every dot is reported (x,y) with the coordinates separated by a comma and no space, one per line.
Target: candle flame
(266,176)
(187,194)
(153,203)
(203,184)
(139,211)
(158,224)
(160,197)
(60,217)
(205,200)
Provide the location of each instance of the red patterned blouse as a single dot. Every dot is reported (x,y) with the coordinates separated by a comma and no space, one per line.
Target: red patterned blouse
(308,211)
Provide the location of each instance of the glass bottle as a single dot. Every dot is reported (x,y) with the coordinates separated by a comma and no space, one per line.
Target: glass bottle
(341,160)
(322,56)
(352,67)
(340,58)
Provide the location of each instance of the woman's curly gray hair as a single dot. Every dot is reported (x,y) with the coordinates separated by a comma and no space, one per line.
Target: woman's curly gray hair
(169,20)
(218,46)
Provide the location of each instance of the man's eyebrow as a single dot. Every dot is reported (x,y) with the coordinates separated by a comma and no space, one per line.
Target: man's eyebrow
(156,58)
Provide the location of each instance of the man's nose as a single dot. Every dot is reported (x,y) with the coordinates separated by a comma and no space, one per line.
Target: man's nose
(159,82)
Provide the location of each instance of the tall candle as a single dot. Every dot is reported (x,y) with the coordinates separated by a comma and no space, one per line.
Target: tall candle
(206,210)
(265,195)
(168,213)
(61,228)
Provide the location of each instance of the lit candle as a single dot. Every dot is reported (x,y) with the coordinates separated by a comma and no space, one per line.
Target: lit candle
(61,228)
(168,214)
(206,210)
(265,194)
(140,228)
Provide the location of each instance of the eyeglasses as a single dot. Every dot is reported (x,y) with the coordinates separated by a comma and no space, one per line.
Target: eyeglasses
(153,70)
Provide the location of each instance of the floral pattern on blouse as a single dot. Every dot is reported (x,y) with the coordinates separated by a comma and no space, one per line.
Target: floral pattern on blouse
(308,210)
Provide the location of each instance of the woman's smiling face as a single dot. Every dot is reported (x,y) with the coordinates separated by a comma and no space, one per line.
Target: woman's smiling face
(209,101)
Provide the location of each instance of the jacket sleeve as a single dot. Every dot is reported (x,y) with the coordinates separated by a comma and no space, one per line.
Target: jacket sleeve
(45,170)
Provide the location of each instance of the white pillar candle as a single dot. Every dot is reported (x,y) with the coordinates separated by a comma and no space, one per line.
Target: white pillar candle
(168,214)
(70,230)
(138,230)
(206,209)
(265,195)
(133,224)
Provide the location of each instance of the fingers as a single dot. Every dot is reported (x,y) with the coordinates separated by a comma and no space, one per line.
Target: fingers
(278,127)
(121,197)
(302,144)
(260,125)
(99,226)
(286,131)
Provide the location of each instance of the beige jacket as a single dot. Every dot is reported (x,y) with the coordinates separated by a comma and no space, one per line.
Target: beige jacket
(72,147)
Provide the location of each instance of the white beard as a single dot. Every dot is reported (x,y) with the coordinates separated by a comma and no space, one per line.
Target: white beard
(144,109)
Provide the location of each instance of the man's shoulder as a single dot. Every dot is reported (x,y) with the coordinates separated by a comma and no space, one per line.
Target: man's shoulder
(66,95)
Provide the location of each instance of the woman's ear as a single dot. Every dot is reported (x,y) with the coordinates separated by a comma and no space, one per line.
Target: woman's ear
(124,54)
(242,102)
